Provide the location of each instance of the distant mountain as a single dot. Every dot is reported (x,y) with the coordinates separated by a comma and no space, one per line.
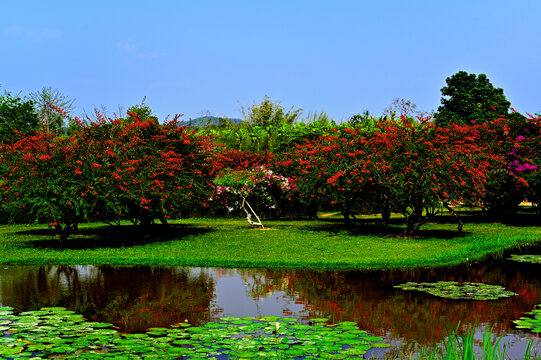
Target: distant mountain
(207,120)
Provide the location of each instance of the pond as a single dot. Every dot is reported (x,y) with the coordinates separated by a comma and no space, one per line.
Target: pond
(140,297)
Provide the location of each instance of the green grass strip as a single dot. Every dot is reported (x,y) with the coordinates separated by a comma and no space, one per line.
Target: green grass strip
(322,244)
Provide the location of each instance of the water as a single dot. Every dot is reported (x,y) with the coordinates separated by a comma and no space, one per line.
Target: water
(139,297)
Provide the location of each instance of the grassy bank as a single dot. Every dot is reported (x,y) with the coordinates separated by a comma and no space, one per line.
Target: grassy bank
(323,244)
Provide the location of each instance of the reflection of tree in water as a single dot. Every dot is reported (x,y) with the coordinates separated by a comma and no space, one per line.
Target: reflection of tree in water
(369,298)
(133,298)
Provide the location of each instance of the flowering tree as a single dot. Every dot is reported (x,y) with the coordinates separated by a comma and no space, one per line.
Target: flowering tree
(408,167)
(255,191)
(429,166)
(513,175)
(337,170)
(107,171)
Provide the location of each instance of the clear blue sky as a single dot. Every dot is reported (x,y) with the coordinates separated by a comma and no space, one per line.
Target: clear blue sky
(343,57)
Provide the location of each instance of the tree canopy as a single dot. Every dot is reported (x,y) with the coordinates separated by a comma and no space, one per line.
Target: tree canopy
(268,113)
(470,97)
(16,114)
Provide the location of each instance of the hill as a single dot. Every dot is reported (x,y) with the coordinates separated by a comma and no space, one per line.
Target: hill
(208,120)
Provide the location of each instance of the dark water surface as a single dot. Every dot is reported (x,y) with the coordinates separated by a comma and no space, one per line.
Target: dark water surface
(139,297)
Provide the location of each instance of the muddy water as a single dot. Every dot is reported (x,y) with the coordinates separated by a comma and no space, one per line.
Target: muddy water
(139,297)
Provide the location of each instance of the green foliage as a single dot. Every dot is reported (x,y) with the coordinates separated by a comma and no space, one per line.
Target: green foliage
(140,112)
(16,115)
(318,117)
(274,139)
(468,98)
(462,346)
(365,121)
(269,113)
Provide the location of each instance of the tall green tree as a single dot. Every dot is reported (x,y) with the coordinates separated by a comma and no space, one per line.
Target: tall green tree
(269,113)
(470,97)
(141,111)
(16,114)
(47,101)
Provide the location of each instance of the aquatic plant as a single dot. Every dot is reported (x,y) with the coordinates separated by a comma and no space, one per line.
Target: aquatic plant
(459,290)
(534,259)
(462,346)
(531,323)
(58,332)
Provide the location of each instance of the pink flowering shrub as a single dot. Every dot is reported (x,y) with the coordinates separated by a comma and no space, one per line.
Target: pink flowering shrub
(261,187)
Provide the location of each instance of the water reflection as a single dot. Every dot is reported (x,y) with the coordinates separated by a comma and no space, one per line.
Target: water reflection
(132,298)
(137,298)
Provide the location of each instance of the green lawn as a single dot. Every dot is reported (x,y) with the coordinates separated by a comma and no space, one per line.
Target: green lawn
(323,244)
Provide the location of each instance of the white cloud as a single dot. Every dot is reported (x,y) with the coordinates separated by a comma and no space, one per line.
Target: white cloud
(32,33)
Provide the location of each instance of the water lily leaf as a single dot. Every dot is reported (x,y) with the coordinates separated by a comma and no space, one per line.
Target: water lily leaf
(460,290)
(534,259)
(229,318)
(270,318)
(98,325)
(181,325)
(319,320)
(7,350)
(531,323)
(58,333)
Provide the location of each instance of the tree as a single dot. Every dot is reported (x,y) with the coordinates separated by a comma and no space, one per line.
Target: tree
(16,115)
(107,171)
(141,111)
(468,98)
(515,142)
(45,102)
(427,166)
(401,107)
(268,113)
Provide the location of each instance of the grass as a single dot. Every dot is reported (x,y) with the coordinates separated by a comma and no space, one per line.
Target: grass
(322,244)
(463,347)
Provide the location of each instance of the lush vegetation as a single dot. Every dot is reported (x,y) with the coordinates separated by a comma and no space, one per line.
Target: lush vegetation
(136,169)
(16,116)
(400,183)
(469,98)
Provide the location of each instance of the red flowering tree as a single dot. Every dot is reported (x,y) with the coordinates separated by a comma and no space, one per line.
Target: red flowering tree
(411,168)
(428,167)
(106,171)
(336,171)
(516,142)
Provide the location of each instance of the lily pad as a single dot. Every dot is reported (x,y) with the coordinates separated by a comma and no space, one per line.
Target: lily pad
(57,332)
(460,290)
(531,323)
(534,259)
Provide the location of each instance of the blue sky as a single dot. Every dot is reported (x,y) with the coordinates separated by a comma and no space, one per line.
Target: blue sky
(194,57)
